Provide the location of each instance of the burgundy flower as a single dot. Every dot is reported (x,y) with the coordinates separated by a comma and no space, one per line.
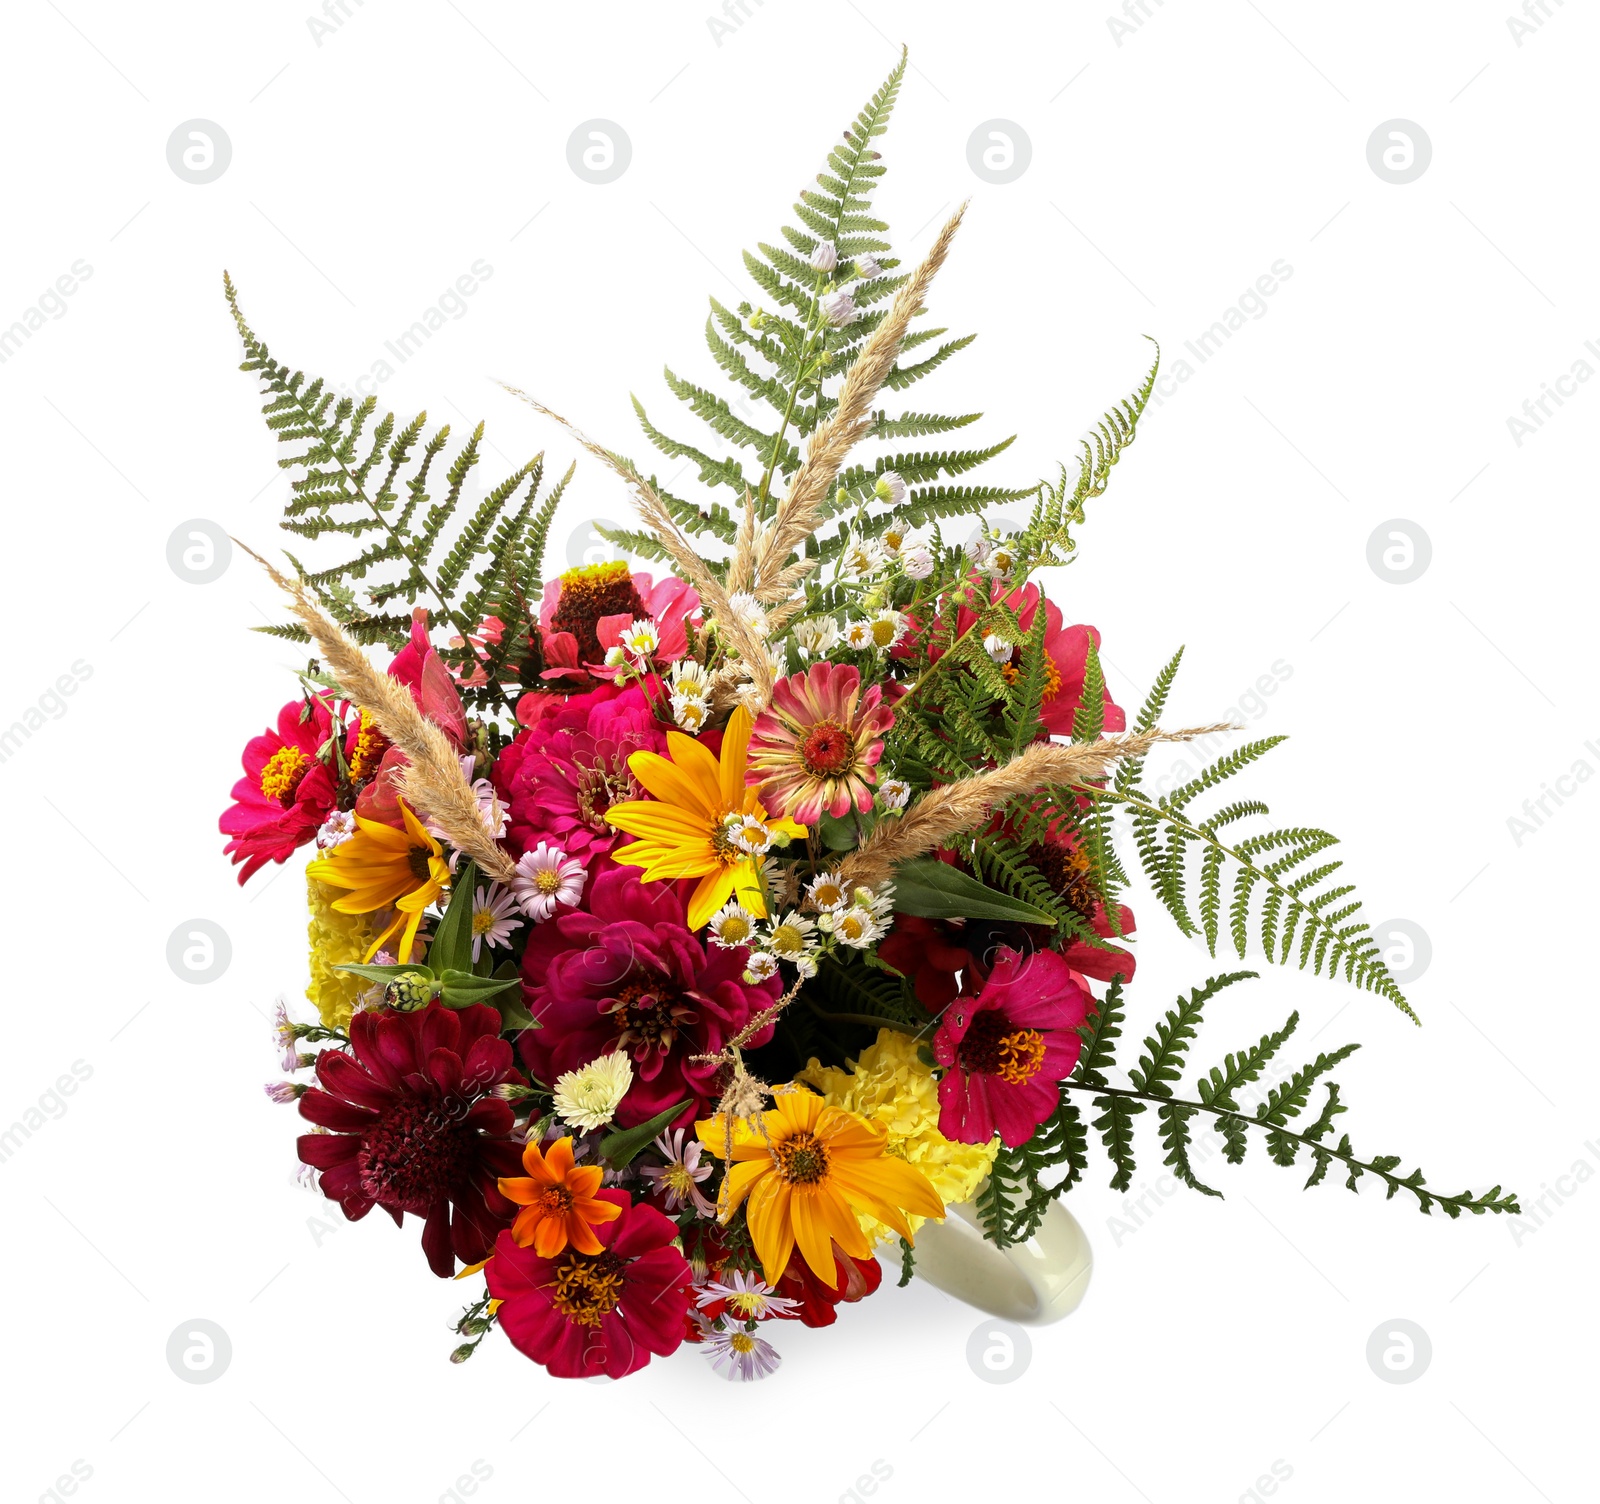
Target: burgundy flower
(1005,1050)
(570,766)
(413,1127)
(630,975)
(286,791)
(930,952)
(583,1315)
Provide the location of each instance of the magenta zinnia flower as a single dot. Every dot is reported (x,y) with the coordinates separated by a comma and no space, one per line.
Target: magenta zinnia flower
(629,974)
(816,748)
(286,791)
(570,766)
(1005,1050)
(413,1126)
(583,1315)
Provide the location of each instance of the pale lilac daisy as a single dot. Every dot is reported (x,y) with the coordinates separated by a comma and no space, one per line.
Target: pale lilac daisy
(494,917)
(749,1297)
(740,1354)
(547,878)
(679,1178)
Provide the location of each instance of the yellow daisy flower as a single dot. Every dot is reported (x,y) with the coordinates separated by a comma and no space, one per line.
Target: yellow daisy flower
(685,830)
(382,867)
(893,1089)
(808,1176)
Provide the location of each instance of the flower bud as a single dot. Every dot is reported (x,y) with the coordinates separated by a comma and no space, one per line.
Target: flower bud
(825,257)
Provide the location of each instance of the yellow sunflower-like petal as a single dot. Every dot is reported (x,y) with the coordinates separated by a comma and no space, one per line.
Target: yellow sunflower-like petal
(712,892)
(769,1216)
(735,754)
(679,782)
(810,1233)
(696,762)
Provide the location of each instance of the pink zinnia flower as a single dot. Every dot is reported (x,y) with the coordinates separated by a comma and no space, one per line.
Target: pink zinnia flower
(605,1314)
(1005,1050)
(286,792)
(816,747)
(570,766)
(586,610)
(629,974)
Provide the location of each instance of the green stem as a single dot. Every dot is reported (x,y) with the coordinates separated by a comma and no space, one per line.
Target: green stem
(794,392)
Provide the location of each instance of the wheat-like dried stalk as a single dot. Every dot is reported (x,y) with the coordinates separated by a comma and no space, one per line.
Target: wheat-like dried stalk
(798,513)
(750,649)
(433,782)
(951,808)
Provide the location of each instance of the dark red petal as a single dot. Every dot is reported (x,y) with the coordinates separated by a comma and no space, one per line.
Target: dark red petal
(340,1075)
(324,1150)
(333,1112)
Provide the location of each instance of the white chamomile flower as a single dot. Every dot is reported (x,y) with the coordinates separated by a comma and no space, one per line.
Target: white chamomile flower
(862,558)
(749,611)
(616,657)
(978,547)
(641,637)
(997,648)
(858,635)
(857,928)
(689,678)
(888,627)
(894,793)
(806,964)
(894,540)
(751,835)
(825,257)
(827,893)
(917,563)
(791,936)
(1001,562)
(336,829)
(890,488)
(817,634)
(867,268)
(587,1098)
(762,967)
(689,712)
(732,926)
(839,309)
(879,904)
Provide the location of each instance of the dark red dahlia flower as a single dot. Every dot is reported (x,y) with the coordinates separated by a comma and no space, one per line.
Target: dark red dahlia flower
(570,766)
(1005,1050)
(583,1315)
(630,975)
(931,953)
(856,1279)
(286,791)
(412,1126)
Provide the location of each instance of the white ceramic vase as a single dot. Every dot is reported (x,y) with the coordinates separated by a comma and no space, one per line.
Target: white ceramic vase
(1032,1283)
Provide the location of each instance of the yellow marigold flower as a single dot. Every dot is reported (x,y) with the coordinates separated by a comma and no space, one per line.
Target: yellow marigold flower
(893,1090)
(336,940)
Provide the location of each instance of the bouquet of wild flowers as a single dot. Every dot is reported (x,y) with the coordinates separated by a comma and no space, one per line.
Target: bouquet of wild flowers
(680,940)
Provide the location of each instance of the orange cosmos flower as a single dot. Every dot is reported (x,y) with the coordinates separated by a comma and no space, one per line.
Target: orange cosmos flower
(807,1176)
(558,1201)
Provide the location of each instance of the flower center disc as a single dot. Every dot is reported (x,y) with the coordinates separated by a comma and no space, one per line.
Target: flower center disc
(586,1289)
(282,774)
(993,1048)
(802,1159)
(413,1156)
(827,748)
(417,860)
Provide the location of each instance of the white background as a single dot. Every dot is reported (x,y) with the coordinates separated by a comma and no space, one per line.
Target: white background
(1171,167)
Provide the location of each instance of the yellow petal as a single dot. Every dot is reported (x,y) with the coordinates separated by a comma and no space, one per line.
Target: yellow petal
(735,755)
(771,1228)
(710,895)
(811,1236)
(675,783)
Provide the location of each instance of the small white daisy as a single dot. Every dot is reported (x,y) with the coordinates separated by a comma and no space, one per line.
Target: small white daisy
(862,558)
(890,488)
(689,712)
(336,829)
(587,1098)
(790,937)
(997,648)
(894,793)
(857,927)
(888,627)
(641,637)
(750,611)
(978,547)
(689,679)
(917,563)
(839,309)
(547,878)
(827,893)
(751,835)
(825,257)
(817,635)
(858,635)
(616,657)
(761,967)
(494,911)
(867,268)
(1001,562)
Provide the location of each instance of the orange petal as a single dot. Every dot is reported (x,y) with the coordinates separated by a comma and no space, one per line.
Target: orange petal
(577,1232)
(549,1237)
(771,1230)
(584,1180)
(811,1235)
(735,756)
(519,1189)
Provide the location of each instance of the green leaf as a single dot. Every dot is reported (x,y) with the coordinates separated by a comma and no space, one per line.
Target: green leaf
(388,973)
(451,949)
(621,1146)
(461,989)
(932,889)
